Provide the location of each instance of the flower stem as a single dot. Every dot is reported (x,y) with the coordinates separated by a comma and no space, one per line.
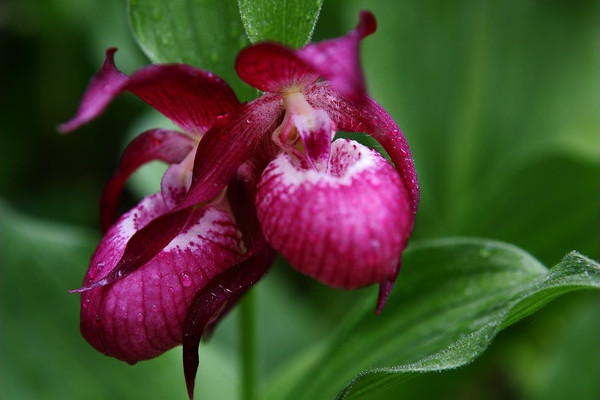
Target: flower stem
(249,351)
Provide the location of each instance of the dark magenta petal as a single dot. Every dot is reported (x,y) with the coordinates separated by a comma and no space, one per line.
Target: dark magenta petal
(103,87)
(272,67)
(229,143)
(157,144)
(142,246)
(214,299)
(190,97)
(141,316)
(338,60)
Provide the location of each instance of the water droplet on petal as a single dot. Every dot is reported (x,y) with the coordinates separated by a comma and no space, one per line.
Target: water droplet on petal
(171,289)
(154,308)
(186,280)
(85,303)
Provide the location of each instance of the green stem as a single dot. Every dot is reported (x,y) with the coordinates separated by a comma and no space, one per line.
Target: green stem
(249,351)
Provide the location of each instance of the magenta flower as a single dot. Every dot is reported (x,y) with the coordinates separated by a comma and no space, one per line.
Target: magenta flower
(245,180)
(142,316)
(337,210)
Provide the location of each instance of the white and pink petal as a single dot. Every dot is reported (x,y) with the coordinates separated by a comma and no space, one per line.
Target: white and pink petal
(346,227)
(141,315)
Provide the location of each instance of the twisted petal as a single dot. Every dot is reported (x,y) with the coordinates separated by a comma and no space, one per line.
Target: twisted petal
(157,144)
(345,227)
(190,97)
(142,316)
(272,67)
(214,299)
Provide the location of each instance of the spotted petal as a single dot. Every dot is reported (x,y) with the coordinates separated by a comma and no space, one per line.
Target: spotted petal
(141,316)
(190,97)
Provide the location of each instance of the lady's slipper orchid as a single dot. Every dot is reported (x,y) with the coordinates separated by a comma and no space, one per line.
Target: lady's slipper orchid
(142,316)
(261,176)
(336,210)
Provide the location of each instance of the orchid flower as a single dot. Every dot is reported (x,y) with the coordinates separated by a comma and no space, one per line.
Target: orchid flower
(263,176)
(336,210)
(142,316)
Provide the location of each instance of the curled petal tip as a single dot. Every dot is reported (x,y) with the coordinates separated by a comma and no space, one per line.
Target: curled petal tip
(385,289)
(367,24)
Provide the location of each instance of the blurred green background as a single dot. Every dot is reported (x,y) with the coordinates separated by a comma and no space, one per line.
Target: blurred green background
(498,99)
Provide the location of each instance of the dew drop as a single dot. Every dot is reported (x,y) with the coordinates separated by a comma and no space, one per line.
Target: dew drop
(85,303)
(171,289)
(154,308)
(186,280)
(484,252)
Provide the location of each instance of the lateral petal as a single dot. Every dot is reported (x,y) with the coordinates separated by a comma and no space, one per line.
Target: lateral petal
(156,144)
(190,97)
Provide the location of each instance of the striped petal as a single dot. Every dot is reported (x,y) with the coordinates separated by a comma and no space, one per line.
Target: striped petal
(141,316)
(346,227)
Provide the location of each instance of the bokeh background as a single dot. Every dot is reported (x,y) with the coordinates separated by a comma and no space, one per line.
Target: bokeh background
(498,99)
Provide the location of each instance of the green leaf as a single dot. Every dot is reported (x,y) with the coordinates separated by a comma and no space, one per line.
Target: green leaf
(204,33)
(290,22)
(451,300)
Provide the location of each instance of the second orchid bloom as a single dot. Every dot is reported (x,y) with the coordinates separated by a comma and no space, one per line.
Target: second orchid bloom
(245,180)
